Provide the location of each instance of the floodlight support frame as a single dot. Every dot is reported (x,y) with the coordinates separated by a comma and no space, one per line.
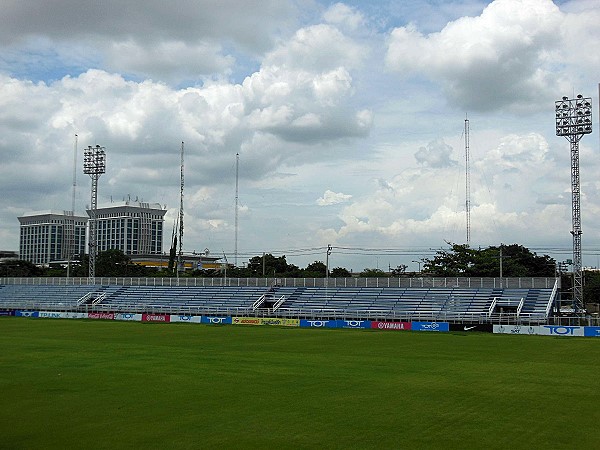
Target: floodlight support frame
(573,121)
(94,165)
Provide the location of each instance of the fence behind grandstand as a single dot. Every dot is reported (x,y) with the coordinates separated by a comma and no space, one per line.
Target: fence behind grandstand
(414,282)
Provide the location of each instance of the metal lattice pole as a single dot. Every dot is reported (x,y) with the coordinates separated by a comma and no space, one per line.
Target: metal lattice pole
(94,164)
(467,182)
(573,120)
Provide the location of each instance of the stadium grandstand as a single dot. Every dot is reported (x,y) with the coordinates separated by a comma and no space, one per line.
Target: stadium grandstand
(456,300)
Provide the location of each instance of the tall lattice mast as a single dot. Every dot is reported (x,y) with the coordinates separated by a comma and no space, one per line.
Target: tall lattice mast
(180,253)
(71,221)
(467,181)
(573,120)
(237,173)
(94,164)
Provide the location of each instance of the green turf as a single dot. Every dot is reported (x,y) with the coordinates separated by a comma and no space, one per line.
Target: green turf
(109,384)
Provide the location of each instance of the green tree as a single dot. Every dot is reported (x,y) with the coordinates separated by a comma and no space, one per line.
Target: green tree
(461,260)
(20,268)
(399,270)
(316,269)
(450,263)
(268,265)
(591,287)
(373,273)
(340,272)
(115,263)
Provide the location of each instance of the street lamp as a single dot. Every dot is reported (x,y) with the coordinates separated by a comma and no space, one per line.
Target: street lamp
(573,120)
(94,164)
(419,263)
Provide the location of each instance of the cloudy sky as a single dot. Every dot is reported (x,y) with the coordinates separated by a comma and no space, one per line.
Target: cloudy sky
(348,119)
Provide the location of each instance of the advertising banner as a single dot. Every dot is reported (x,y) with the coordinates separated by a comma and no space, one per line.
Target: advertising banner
(516,329)
(164,318)
(216,320)
(101,315)
(591,331)
(391,325)
(281,322)
(246,321)
(560,330)
(52,315)
(7,313)
(265,321)
(469,327)
(430,326)
(184,318)
(128,316)
(75,315)
(353,323)
(26,313)
(318,323)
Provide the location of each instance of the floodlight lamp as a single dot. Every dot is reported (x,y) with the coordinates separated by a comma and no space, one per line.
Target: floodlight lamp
(579,96)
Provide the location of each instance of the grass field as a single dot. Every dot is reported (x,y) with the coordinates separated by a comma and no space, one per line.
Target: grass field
(108,384)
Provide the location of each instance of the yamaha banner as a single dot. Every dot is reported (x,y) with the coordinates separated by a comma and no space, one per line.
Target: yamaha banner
(391,326)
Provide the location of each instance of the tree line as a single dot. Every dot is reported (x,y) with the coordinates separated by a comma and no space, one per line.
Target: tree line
(458,260)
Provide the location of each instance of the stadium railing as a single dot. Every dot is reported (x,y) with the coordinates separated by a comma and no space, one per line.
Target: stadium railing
(386,282)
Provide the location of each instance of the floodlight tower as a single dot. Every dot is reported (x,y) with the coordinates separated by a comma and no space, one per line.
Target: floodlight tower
(573,120)
(94,164)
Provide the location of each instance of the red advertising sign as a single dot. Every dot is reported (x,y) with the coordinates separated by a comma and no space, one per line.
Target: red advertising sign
(101,315)
(391,325)
(156,318)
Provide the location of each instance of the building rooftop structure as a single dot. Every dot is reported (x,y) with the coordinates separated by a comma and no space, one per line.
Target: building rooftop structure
(134,227)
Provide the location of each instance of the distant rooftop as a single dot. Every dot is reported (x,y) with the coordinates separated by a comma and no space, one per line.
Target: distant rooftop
(49,212)
(133,204)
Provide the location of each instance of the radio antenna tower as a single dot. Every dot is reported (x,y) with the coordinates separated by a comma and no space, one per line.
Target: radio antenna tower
(573,120)
(237,173)
(71,221)
(94,164)
(180,253)
(467,181)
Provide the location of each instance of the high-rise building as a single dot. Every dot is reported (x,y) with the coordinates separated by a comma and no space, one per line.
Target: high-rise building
(135,228)
(47,236)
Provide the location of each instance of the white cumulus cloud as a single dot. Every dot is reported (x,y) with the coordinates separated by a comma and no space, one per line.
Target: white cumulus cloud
(332,198)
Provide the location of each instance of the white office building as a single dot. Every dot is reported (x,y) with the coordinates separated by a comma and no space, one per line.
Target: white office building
(135,228)
(47,236)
